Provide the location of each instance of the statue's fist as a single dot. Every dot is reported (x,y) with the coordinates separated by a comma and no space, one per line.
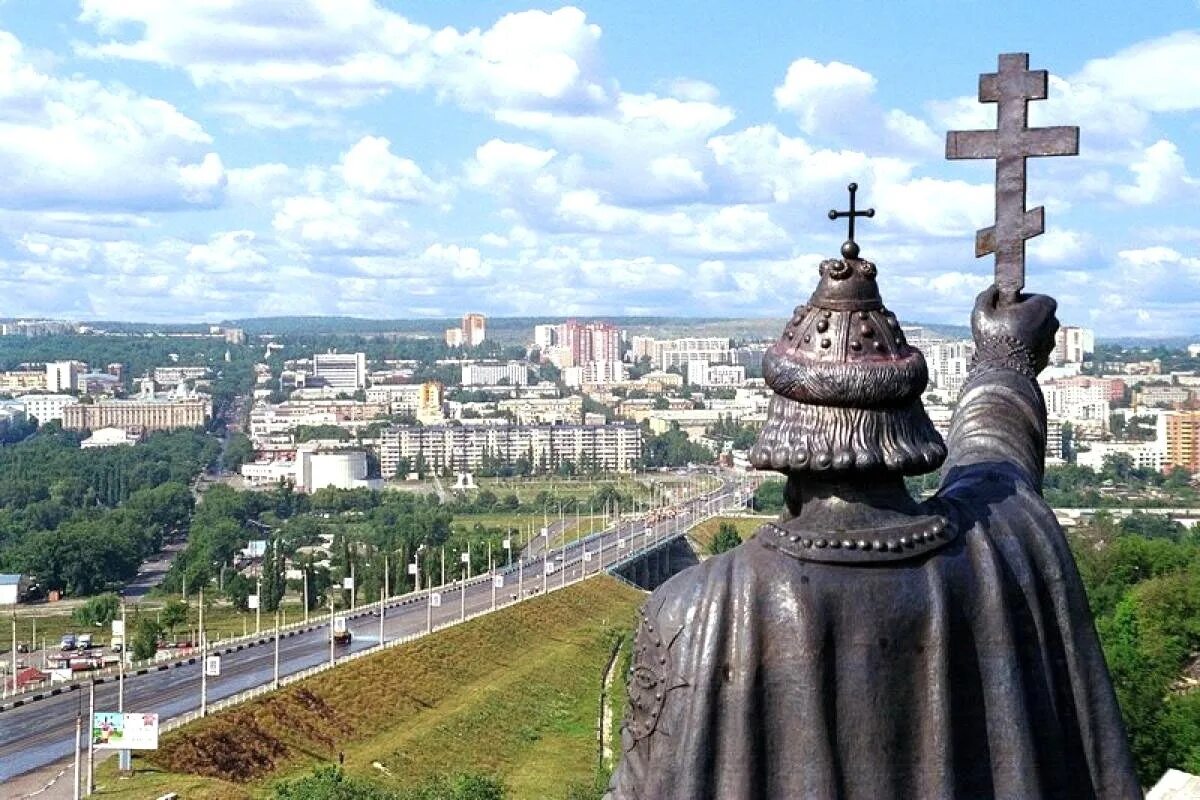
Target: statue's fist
(1027,318)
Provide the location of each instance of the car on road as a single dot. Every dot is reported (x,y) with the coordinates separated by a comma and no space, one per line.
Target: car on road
(84,642)
(67,643)
(22,647)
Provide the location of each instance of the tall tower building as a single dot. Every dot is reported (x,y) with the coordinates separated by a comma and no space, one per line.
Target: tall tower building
(474,329)
(63,376)
(1182,440)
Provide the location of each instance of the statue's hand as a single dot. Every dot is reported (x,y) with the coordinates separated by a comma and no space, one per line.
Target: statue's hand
(1026,320)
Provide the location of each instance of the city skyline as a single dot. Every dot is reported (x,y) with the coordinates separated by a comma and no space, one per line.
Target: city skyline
(203,163)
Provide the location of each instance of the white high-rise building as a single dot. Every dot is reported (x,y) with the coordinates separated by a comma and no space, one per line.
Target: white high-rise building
(63,376)
(1072,344)
(345,372)
(545,336)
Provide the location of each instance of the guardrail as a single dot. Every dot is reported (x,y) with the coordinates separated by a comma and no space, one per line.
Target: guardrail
(303,626)
(249,694)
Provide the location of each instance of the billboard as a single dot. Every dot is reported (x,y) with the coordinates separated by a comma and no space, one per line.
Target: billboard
(212,666)
(498,581)
(115,731)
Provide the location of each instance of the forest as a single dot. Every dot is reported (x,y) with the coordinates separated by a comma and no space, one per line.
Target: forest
(81,521)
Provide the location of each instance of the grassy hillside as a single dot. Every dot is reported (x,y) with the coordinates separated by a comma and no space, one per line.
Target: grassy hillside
(703,533)
(514,694)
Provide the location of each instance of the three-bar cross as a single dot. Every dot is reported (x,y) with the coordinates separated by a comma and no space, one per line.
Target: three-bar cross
(1010,144)
(850,247)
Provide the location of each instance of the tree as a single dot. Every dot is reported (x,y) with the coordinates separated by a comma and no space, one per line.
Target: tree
(237,452)
(726,538)
(146,635)
(174,614)
(768,496)
(100,610)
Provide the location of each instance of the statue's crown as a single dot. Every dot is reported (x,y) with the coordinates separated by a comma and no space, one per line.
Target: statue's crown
(844,348)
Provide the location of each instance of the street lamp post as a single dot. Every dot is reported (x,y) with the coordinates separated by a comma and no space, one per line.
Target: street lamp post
(275,681)
(203,659)
(382,595)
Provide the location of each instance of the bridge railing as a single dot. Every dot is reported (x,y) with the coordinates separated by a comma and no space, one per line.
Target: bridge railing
(654,542)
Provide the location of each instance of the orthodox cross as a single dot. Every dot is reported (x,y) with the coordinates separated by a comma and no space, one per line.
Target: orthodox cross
(850,247)
(1010,144)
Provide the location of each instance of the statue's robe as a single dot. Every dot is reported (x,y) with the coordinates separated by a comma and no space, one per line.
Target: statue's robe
(972,671)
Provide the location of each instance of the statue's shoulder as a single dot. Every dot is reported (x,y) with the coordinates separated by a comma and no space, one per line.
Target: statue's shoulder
(675,602)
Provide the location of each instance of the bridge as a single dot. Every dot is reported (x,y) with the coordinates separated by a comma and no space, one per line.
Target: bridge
(38,729)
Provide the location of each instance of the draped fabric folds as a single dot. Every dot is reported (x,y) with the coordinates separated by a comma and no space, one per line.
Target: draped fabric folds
(971,672)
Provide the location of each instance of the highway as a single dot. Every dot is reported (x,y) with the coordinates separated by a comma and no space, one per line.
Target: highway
(42,732)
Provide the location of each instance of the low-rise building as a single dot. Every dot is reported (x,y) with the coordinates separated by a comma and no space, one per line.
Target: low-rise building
(544,411)
(1144,455)
(150,414)
(47,407)
(111,437)
(19,381)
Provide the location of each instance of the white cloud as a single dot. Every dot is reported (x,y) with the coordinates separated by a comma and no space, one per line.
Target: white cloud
(232,251)
(350,52)
(1157,75)
(371,168)
(1059,246)
(1159,174)
(498,162)
(341,223)
(824,95)
(78,144)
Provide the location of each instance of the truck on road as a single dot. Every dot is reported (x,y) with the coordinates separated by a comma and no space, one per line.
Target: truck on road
(341,631)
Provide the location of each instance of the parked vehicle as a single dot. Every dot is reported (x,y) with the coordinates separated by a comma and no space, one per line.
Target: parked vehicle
(67,642)
(84,642)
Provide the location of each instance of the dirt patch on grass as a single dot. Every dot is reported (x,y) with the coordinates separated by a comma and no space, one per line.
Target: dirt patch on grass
(252,740)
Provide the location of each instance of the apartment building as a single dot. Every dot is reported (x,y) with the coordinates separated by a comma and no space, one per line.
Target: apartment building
(616,448)
(23,380)
(1180,433)
(514,373)
(678,352)
(46,407)
(173,376)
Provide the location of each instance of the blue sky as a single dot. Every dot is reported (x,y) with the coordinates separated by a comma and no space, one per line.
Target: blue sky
(205,160)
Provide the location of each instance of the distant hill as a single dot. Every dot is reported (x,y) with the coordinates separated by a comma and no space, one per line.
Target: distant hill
(520,329)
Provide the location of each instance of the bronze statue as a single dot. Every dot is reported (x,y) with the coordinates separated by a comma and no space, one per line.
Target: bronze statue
(866,645)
